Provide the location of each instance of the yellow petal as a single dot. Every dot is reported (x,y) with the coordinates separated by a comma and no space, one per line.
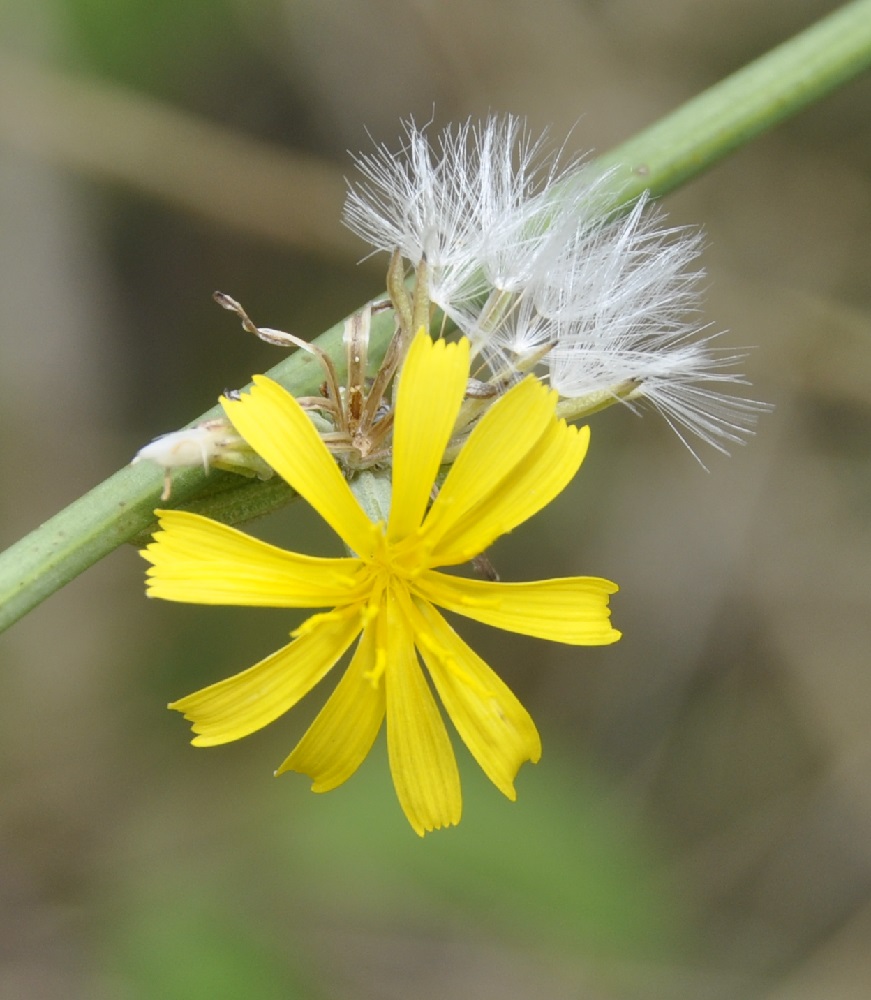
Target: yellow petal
(546,470)
(341,736)
(431,390)
(506,435)
(492,723)
(422,760)
(572,610)
(246,702)
(198,560)
(277,428)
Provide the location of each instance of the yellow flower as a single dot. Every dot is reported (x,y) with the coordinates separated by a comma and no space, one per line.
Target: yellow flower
(516,460)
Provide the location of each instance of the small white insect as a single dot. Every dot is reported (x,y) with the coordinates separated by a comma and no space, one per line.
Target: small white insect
(212,443)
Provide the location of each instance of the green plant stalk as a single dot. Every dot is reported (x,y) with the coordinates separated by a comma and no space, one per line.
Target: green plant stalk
(122,507)
(680,146)
(751,101)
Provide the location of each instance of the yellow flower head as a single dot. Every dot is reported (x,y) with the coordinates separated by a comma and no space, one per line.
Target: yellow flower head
(516,460)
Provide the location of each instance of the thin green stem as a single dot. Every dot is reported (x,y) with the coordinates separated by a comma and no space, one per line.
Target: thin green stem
(753,100)
(121,508)
(659,159)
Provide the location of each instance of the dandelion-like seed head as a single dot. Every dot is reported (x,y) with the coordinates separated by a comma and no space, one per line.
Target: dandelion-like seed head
(528,257)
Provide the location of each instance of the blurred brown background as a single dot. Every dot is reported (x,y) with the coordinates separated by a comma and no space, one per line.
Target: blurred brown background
(699,824)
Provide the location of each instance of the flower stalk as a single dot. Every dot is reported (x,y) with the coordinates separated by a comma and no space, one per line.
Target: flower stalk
(681,146)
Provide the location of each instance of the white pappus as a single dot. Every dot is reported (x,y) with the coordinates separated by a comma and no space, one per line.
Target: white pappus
(530,261)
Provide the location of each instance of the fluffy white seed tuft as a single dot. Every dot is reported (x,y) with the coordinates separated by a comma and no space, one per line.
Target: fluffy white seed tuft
(529,260)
